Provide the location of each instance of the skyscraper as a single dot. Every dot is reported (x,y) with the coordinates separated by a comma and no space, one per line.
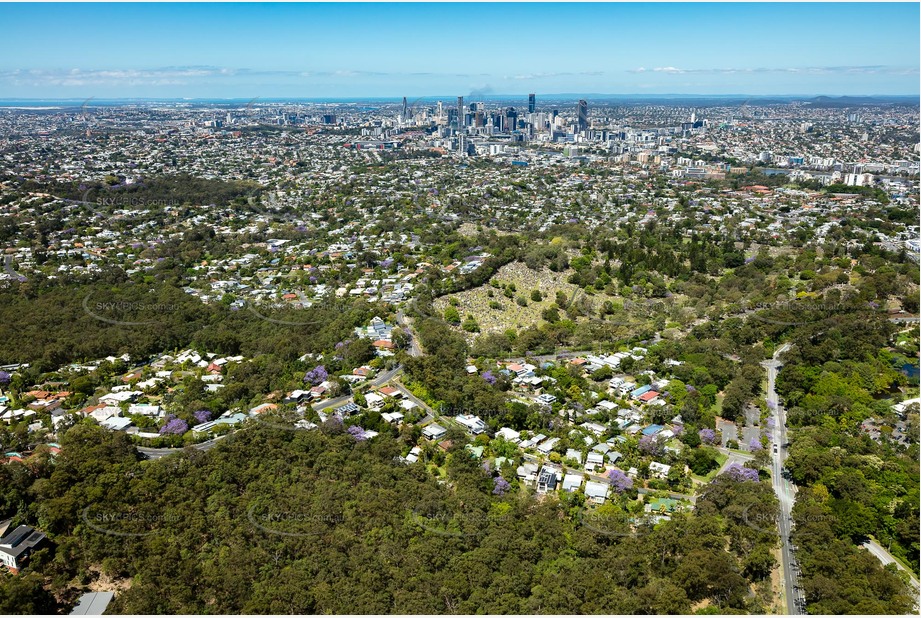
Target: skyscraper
(460,125)
(403,117)
(532,103)
(511,118)
(583,115)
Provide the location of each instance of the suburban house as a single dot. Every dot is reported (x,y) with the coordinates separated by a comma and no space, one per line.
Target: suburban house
(547,480)
(374,401)
(527,472)
(572,482)
(596,492)
(347,409)
(509,435)
(659,470)
(16,546)
(434,432)
(473,424)
(575,455)
(639,392)
(413,455)
(532,441)
(547,446)
(392,417)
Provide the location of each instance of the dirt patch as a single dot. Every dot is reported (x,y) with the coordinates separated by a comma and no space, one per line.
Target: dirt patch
(105,583)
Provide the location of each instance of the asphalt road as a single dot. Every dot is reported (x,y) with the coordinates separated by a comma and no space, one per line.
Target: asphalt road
(785,490)
(886,558)
(157,453)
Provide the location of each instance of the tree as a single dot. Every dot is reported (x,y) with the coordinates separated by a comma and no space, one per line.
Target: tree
(620,482)
(451,315)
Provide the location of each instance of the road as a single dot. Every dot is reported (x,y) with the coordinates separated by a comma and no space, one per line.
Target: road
(157,453)
(8,267)
(886,558)
(414,348)
(784,489)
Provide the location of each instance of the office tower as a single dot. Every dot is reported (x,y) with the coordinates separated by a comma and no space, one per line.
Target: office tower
(583,115)
(460,124)
(511,116)
(404,116)
(532,103)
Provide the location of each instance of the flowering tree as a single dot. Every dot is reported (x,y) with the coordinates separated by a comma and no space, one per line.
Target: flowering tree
(755,445)
(486,467)
(489,377)
(501,486)
(202,416)
(316,375)
(708,436)
(4,377)
(739,473)
(174,426)
(357,432)
(650,445)
(619,481)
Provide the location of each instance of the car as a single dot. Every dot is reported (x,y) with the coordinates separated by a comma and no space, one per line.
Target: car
(775,449)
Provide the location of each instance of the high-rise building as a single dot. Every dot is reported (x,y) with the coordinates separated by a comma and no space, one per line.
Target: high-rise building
(460,125)
(404,115)
(583,115)
(511,118)
(532,103)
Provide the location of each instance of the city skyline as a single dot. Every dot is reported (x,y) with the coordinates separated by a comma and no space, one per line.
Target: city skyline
(391,50)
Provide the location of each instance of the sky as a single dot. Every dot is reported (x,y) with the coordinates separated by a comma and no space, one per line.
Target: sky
(431,49)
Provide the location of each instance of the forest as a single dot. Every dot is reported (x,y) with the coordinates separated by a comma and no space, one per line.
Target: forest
(319,522)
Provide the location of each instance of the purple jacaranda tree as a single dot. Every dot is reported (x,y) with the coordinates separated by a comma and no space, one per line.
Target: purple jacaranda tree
(650,445)
(202,416)
(5,377)
(489,377)
(357,432)
(740,473)
(708,436)
(316,375)
(754,445)
(619,481)
(174,426)
(486,467)
(501,486)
